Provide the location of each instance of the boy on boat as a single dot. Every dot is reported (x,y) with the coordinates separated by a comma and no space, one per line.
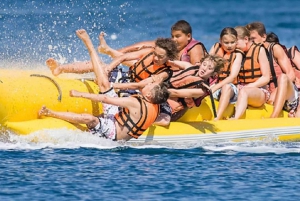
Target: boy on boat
(138,113)
(284,93)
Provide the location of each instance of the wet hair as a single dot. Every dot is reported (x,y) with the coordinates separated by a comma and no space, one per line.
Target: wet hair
(228,31)
(218,61)
(272,38)
(169,46)
(160,93)
(257,26)
(242,32)
(183,26)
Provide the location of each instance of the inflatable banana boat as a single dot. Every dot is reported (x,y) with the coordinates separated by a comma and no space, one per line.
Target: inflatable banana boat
(24,92)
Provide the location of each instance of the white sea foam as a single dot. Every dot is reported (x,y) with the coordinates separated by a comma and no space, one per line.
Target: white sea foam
(70,139)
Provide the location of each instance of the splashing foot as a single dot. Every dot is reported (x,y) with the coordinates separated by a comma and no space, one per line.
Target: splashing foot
(103,47)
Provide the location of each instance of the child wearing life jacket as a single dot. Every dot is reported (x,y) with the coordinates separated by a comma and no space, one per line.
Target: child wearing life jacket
(254,75)
(138,113)
(146,67)
(284,93)
(190,86)
(225,90)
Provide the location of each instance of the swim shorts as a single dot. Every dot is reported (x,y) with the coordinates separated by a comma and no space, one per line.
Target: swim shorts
(106,126)
(233,99)
(293,102)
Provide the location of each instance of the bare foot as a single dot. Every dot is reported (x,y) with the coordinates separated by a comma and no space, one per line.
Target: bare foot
(103,47)
(82,34)
(53,65)
(44,111)
(292,114)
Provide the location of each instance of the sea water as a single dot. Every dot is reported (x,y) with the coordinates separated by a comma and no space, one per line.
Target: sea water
(68,165)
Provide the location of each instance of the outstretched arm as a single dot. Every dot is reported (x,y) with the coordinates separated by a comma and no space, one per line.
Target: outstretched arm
(133,57)
(179,65)
(137,46)
(139,85)
(122,102)
(187,93)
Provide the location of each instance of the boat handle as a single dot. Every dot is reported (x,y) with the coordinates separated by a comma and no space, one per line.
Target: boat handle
(212,103)
(53,81)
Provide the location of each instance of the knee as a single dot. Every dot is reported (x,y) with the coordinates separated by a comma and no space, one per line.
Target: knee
(90,120)
(243,93)
(283,79)
(226,88)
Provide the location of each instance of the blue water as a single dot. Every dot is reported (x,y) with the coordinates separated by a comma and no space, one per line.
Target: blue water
(67,165)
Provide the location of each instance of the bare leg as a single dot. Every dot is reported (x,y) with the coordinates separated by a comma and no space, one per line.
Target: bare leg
(248,96)
(285,90)
(77,67)
(226,94)
(102,79)
(71,117)
(105,49)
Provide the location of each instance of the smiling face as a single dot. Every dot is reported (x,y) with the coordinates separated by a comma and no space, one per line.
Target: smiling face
(160,56)
(228,42)
(206,69)
(181,39)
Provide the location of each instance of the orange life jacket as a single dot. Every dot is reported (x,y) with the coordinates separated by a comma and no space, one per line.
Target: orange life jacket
(145,67)
(185,56)
(149,113)
(225,72)
(250,70)
(186,79)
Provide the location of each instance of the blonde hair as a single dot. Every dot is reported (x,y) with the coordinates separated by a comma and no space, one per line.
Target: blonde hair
(242,32)
(218,61)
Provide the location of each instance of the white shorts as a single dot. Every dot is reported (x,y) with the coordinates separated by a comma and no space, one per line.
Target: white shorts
(233,99)
(106,126)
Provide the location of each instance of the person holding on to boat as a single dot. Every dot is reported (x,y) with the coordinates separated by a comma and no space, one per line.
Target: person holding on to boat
(224,90)
(148,66)
(191,85)
(284,93)
(138,111)
(254,75)
(294,55)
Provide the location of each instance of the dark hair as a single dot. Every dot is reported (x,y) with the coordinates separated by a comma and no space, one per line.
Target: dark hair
(228,31)
(169,46)
(183,26)
(257,26)
(272,38)
(160,93)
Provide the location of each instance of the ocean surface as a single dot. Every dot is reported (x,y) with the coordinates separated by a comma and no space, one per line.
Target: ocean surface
(68,165)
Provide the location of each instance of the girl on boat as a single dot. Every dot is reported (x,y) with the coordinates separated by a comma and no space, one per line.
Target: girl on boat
(225,90)
(254,75)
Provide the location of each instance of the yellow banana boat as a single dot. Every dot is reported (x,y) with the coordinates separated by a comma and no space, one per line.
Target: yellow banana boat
(24,92)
